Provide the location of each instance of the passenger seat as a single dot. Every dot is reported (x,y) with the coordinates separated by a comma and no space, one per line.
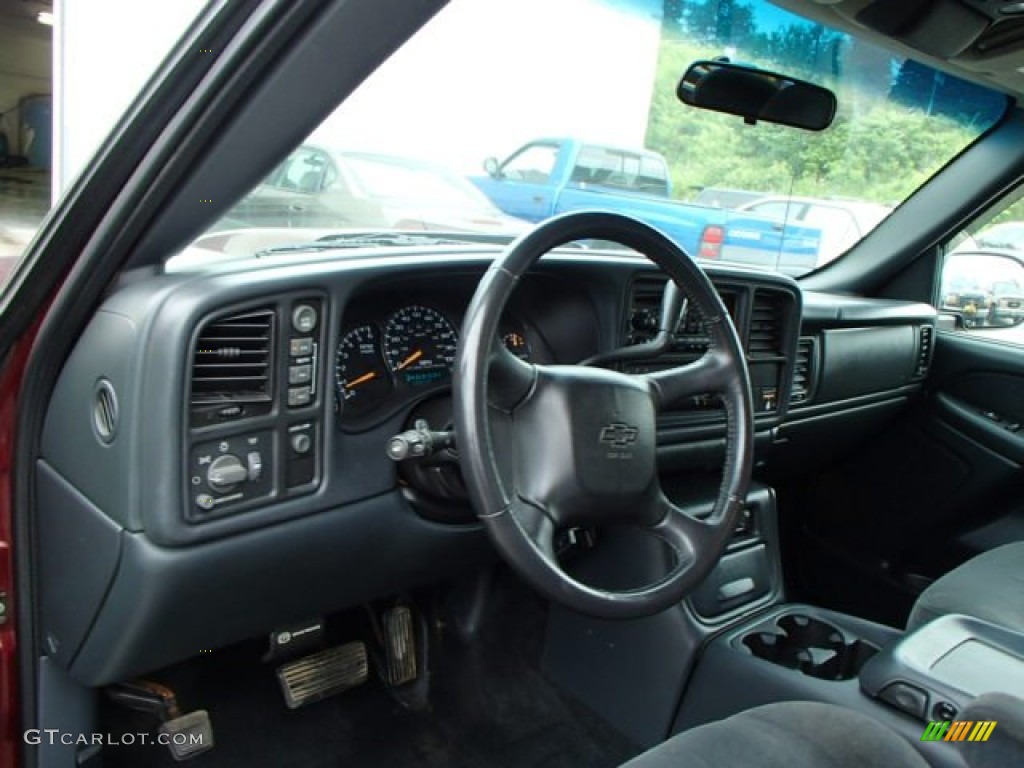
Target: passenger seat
(989,587)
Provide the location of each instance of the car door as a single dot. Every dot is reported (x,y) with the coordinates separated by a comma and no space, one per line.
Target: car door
(943,482)
(526,185)
(57,273)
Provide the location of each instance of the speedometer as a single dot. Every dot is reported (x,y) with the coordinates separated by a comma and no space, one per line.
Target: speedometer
(419,345)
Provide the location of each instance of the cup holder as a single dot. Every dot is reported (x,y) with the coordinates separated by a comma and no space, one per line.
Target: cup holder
(811,646)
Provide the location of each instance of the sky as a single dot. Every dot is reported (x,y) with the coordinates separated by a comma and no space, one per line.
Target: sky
(477,81)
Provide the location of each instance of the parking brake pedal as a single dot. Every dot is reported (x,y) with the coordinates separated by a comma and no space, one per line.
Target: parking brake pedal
(186,735)
(323,674)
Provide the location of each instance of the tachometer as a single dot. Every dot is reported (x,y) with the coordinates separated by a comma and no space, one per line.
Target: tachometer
(359,370)
(419,345)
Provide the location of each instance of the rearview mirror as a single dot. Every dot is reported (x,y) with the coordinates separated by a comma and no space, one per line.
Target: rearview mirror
(757,95)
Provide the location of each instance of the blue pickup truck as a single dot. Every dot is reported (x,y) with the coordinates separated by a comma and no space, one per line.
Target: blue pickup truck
(550,176)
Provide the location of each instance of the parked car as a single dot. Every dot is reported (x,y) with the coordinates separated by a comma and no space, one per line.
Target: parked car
(842,223)
(318,187)
(721,197)
(550,176)
(1007,304)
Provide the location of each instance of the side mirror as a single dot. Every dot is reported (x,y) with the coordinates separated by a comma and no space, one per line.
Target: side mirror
(984,289)
(757,95)
(493,167)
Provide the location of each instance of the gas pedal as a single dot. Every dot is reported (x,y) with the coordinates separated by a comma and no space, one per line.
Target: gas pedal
(323,674)
(399,646)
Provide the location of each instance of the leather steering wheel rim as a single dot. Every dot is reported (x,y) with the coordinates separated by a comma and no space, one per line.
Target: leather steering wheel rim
(577,446)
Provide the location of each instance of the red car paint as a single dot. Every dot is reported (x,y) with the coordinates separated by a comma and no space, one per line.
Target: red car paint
(11,378)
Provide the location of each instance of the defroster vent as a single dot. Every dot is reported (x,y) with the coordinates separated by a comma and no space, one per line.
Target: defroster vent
(233,359)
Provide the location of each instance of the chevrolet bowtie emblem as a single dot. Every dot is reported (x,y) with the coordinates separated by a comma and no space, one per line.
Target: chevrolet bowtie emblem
(619,435)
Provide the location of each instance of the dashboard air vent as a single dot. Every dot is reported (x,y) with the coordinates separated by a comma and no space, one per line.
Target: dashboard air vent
(233,359)
(803,372)
(766,325)
(925,344)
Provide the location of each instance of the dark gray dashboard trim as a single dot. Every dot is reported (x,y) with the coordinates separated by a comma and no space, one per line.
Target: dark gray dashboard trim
(837,310)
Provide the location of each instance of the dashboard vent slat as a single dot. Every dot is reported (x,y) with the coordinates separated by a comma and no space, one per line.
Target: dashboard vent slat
(803,372)
(233,359)
(766,320)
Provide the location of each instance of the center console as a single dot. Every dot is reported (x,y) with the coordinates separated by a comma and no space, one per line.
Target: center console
(936,670)
(804,653)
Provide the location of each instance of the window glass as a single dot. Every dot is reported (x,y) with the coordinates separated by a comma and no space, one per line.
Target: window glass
(982,281)
(68,71)
(615,169)
(777,209)
(26,129)
(653,177)
(579,128)
(305,171)
(533,164)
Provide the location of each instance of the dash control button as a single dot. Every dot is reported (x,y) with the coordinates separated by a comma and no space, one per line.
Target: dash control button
(304,318)
(299,396)
(254,462)
(300,374)
(300,347)
(205,501)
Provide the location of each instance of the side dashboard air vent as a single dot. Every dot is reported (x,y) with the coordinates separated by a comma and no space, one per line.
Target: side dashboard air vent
(644,309)
(766,319)
(925,347)
(803,372)
(233,359)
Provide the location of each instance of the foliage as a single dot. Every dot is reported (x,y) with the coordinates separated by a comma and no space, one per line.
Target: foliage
(897,123)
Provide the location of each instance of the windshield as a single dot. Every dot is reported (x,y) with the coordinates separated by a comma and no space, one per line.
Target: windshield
(499,115)
(382,177)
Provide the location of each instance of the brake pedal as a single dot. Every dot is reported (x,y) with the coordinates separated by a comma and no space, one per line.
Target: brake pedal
(399,646)
(323,674)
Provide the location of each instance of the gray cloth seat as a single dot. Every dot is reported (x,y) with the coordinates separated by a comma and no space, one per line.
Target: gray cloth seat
(989,587)
(792,734)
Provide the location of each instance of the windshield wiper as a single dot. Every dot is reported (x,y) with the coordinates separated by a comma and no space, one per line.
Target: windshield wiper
(386,239)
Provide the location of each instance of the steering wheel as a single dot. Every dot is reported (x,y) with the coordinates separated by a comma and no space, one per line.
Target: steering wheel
(545,447)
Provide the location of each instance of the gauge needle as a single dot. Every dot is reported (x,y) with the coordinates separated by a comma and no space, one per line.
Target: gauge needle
(361,380)
(410,359)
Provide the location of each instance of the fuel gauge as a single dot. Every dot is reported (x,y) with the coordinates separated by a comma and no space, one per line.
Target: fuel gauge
(361,376)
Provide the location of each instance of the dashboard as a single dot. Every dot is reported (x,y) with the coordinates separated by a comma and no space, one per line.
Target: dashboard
(228,469)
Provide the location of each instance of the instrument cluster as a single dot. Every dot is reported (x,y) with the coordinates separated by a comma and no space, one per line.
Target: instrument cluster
(383,362)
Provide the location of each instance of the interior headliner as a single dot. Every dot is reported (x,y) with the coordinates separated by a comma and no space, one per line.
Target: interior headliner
(942,33)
